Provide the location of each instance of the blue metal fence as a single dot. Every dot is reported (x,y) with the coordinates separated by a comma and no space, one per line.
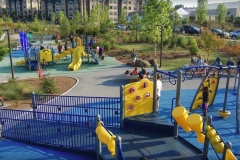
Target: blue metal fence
(63,130)
(107,107)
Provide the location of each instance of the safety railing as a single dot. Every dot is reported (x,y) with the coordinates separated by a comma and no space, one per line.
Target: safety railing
(172,78)
(108,107)
(218,145)
(62,130)
(113,143)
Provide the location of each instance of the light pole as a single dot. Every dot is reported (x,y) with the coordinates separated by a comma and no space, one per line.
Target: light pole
(10,52)
(161,44)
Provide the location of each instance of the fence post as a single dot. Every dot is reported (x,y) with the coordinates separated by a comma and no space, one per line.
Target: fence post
(154,87)
(118,140)
(227,145)
(178,98)
(98,143)
(121,106)
(34,105)
(206,140)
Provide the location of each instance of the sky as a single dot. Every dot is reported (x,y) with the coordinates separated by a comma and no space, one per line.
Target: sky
(191,3)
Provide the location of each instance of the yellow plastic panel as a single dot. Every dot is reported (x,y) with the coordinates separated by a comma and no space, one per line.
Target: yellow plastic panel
(213,87)
(46,54)
(138,98)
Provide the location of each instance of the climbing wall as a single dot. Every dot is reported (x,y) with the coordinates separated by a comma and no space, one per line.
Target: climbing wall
(213,82)
(138,98)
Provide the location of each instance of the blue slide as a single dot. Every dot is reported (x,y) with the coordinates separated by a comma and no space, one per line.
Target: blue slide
(94,56)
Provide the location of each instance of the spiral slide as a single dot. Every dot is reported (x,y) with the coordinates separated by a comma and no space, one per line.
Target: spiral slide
(77,54)
(213,82)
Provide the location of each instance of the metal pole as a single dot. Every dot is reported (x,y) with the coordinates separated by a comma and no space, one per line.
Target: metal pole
(226,90)
(121,106)
(34,105)
(227,145)
(161,47)
(98,143)
(10,53)
(206,140)
(237,104)
(178,98)
(154,86)
(118,140)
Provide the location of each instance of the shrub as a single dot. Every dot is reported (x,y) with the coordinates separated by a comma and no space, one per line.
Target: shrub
(106,46)
(142,38)
(200,43)
(49,85)
(126,39)
(193,49)
(174,42)
(183,41)
(192,42)
(131,39)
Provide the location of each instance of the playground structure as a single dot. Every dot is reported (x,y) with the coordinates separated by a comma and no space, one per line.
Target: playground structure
(132,103)
(34,56)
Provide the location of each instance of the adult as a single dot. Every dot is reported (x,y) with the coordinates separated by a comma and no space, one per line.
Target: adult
(133,57)
(230,62)
(158,94)
(41,46)
(72,41)
(66,46)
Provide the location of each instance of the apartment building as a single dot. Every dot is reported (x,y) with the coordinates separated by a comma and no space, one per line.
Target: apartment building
(44,8)
(2,7)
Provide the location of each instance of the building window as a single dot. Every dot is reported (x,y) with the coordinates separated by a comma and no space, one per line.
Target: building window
(129,2)
(115,13)
(115,19)
(129,8)
(110,1)
(110,7)
(115,7)
(111,13)
(135,8)
(115,1)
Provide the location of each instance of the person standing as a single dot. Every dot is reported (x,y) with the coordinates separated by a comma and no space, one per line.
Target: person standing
(133,57)
(205,95)
(158,92)
(72,41)
(59,48)
(66,46)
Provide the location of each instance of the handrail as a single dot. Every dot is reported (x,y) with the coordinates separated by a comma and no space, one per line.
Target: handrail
(172,109)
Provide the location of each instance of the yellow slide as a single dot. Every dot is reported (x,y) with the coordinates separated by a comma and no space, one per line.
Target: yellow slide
(77,54)
(63,54)
(197,102)
(19,63)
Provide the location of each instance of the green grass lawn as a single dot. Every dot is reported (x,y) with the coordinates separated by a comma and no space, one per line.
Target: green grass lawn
(139,47)
(171,63)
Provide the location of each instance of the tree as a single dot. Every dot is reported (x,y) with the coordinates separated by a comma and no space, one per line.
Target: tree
(201,11)
(123,16)
(61,16)
(75,21)
(221,13)
(211,42)
(176,20)
(136,24)
(65,27)
(185,20)
(53,17)
(178,6)
(3,49)
(157,13)
(85,18)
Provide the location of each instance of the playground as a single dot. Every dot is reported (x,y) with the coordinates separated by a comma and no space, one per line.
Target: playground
(103,90)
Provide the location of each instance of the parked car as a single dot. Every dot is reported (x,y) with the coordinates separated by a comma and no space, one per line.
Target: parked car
(219,32)
(120,26)
(235,34)
(191,29)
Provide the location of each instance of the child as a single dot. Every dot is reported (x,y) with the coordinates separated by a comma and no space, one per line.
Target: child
(44,65)
(66,46)
(134,72)
(59,48)
(158,92)
(205,94)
